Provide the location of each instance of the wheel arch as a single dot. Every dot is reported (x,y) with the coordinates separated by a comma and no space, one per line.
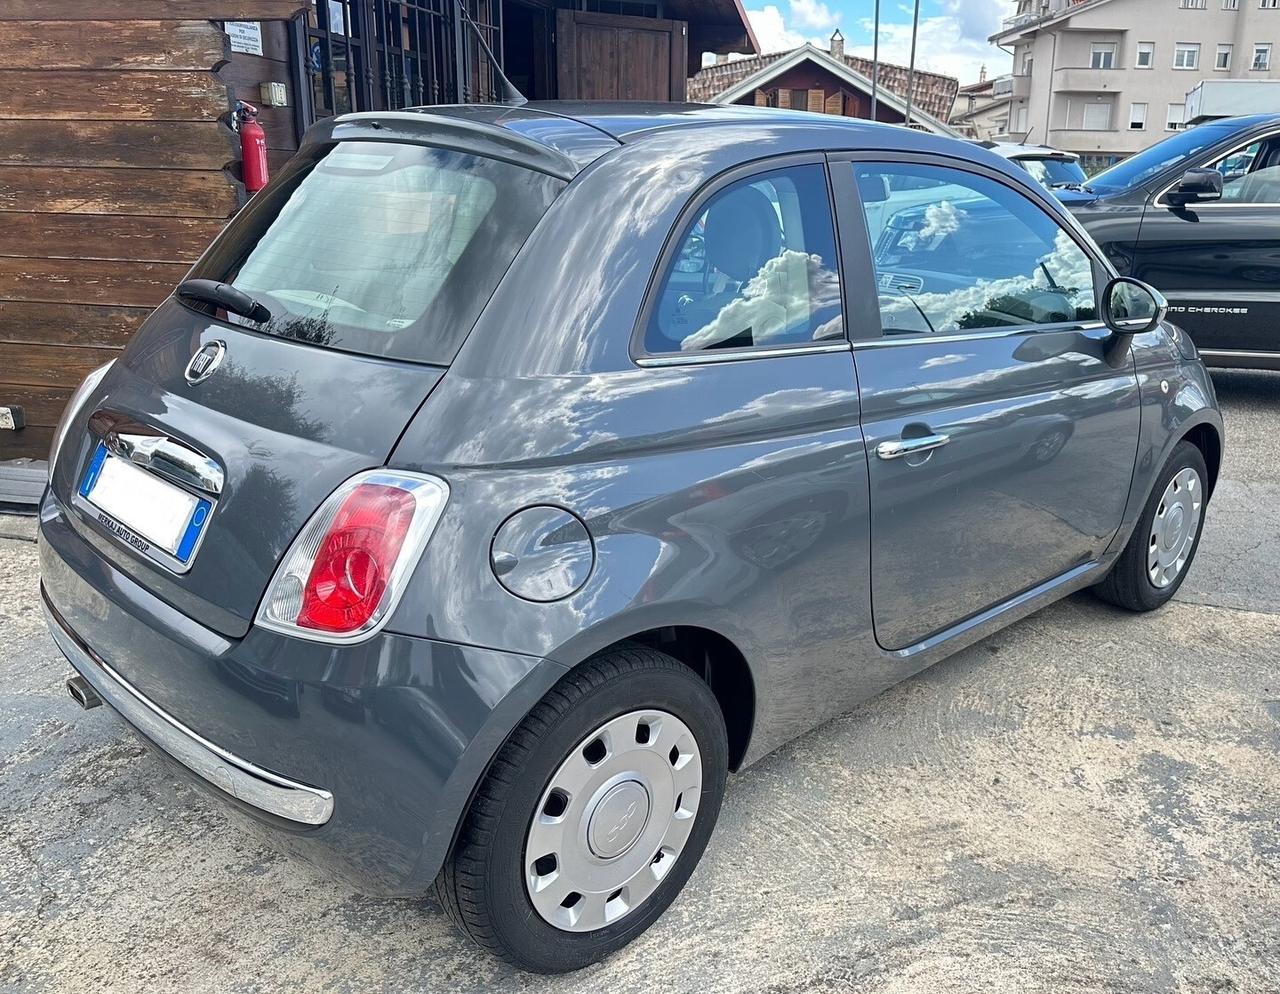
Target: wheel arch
(1208,439)
(719,662)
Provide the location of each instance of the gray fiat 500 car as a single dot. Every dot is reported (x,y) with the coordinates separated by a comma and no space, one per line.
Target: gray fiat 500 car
(501,479)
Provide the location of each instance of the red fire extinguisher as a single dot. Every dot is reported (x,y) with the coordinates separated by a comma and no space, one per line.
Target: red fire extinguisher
(253,147)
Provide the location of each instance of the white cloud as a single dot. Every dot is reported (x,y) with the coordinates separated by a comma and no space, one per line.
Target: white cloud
(954,42)
(977,19)
(947,44)
(812,15)
(772,31)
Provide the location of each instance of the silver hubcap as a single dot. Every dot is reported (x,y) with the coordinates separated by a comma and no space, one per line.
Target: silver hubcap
(613,820)
(1173,532)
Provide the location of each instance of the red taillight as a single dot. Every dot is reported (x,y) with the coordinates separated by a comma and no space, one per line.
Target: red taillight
(355,558)
(345,571)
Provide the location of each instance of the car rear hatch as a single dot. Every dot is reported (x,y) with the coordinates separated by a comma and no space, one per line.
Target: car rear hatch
(216,434)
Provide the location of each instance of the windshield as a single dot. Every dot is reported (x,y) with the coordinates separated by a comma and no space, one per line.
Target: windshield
(381,248)
(1054,172)
(1137,169)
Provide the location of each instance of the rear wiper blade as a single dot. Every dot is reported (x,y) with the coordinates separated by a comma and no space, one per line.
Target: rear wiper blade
(225,296)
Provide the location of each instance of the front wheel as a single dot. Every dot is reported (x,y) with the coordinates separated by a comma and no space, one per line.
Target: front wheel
(592,816)
(1155,562)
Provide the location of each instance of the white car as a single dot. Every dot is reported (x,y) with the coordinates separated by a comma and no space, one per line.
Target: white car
(1051,167)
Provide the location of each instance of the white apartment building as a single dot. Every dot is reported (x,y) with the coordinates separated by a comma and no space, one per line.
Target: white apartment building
(981,109)
(1107,78)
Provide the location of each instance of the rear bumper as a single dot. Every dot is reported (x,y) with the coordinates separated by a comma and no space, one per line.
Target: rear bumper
(238,777)
(364,757)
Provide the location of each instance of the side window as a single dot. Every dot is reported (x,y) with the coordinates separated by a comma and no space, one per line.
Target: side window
(1251,175)
(965,252)
(756,268)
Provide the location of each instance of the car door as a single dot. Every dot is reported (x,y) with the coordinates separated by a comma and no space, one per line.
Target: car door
(1218,261)
(1001,442)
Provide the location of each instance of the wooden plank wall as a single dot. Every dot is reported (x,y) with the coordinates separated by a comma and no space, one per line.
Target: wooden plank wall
(117,168)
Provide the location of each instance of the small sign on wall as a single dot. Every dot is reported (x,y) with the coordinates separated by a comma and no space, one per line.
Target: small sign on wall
(246,36)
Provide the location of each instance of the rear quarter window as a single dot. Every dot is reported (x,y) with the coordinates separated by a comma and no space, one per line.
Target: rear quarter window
(756,268)
(381,248)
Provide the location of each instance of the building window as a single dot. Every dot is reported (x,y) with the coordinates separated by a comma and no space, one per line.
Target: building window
(799,99)
(1261,57)
(1230,4)
(1186,55)
(1269,4)
(1026,63)
(1191,4)
(1222,61)
(1097,117)
(1020,120)
(1102,55)
(1137,117)
(1174,117)
(1146,55)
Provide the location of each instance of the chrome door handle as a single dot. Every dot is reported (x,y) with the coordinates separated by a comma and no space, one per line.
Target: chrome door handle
(910,446)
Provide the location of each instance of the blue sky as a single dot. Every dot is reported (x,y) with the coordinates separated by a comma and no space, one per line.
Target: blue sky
(953,33)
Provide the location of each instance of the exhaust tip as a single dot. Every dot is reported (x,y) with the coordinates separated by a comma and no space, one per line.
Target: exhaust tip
(82,692)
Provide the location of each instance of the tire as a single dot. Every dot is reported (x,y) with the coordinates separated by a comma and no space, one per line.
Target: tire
(1130,583)
(485,885)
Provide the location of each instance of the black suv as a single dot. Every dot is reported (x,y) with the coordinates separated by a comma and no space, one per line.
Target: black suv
(1198,217)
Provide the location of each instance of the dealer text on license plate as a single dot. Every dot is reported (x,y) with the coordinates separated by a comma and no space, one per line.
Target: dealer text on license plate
(155,517)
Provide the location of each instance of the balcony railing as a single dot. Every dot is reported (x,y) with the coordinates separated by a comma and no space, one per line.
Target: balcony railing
(1048,9)
(1018,20)
(1084,79)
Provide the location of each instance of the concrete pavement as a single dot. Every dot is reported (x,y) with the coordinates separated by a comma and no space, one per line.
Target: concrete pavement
(1088,801)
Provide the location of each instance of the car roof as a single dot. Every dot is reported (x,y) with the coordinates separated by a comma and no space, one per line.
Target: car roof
(627,121)
(1243,122)
(562,137)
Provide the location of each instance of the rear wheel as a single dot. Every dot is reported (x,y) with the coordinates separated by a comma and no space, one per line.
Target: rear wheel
(1155,562)
(593,815)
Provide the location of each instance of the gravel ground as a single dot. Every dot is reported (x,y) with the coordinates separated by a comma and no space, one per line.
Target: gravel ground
(1087,801)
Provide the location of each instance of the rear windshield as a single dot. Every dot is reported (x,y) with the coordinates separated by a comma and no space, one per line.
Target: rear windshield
(381,248)
(1054,172)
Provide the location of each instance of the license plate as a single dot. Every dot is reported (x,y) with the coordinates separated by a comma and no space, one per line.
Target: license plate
(149,514)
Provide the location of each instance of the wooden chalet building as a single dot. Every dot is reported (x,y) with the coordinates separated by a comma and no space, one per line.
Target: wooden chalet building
(118,162)
(827,81)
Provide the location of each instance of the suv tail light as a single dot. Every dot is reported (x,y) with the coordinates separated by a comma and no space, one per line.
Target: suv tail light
(344,573)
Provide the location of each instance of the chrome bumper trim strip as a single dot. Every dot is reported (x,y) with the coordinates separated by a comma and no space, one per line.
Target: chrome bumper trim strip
(238,777)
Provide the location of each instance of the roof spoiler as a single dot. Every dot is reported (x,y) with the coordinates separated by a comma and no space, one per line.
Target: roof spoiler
(421,127)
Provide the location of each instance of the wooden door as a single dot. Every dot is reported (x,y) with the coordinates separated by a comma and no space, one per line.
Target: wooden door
(614,57)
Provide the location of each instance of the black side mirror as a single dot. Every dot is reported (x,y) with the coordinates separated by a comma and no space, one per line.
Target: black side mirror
(1130,307)
(1196,185)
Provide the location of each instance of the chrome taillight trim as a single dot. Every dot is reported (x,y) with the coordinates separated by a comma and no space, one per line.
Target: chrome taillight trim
(431,495)
(74,403)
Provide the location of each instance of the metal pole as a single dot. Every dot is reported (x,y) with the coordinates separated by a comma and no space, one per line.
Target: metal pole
(875,63)
(911,69)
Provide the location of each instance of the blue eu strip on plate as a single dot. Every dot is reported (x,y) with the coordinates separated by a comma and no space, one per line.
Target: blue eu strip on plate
(149,507)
